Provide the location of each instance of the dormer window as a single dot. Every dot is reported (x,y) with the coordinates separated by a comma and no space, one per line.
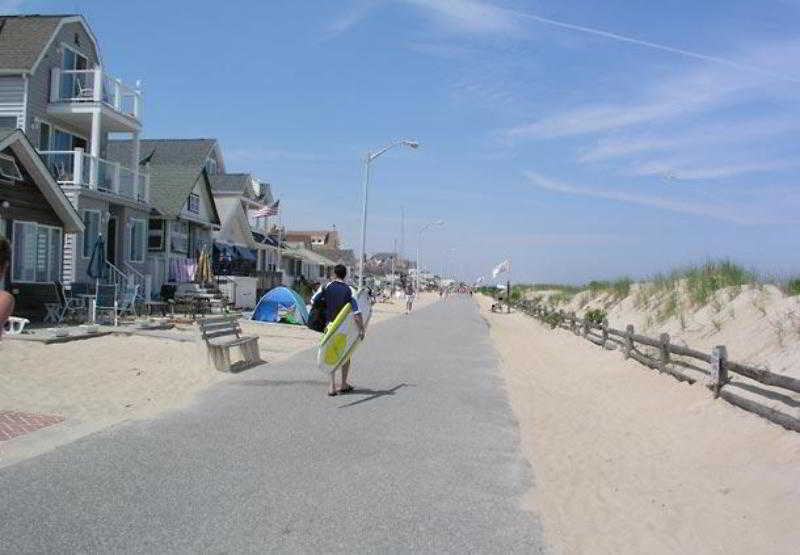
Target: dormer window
(9,169)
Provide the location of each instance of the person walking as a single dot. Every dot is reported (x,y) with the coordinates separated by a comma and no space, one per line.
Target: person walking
(6,300)
(338,294)
(409,298)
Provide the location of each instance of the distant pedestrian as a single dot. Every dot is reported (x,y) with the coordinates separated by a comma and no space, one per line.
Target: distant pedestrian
(338,294)
(6,300)
(410,294)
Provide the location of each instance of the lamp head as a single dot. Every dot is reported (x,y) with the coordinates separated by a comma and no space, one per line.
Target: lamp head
(412,144)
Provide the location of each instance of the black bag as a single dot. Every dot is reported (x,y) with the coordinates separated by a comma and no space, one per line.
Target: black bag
(318,316)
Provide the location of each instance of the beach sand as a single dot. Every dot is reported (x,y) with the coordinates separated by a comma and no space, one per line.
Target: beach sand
(625,460)
(103,381)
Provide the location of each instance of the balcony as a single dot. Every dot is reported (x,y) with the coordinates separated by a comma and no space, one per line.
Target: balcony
(75,168)
(76,95)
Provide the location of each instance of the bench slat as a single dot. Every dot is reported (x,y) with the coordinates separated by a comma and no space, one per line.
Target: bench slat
(219,325)
(234,342)
(217,319)
(221,333)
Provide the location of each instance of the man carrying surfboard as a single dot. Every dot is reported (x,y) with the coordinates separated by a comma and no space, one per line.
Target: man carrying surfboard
(337,295)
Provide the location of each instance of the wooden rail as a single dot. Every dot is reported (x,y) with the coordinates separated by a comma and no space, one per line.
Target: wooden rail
(626,340)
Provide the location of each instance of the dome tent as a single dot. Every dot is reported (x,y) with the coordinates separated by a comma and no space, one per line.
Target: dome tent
(281,301)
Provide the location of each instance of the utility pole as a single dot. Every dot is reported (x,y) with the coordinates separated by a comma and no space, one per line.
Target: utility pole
(402,232)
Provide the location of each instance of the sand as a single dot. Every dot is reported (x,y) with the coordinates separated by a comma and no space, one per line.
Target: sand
(629,461)
(104,381)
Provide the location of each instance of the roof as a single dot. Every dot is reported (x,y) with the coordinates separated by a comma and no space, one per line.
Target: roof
(340,256)
(175,166)
(231,182)
(331,236)
(309,256)
(23,38)
(36,168)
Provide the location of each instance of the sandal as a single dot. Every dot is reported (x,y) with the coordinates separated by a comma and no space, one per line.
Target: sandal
(332,394)
(347,389)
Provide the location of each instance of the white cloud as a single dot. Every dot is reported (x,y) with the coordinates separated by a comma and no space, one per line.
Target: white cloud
(472,16)
(10,6)
(350,18)
(743,215)
(684,171)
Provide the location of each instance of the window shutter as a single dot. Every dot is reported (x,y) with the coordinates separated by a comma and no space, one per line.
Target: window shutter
(56,253)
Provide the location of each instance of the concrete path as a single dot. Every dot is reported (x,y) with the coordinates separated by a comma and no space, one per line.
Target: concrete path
(424,456)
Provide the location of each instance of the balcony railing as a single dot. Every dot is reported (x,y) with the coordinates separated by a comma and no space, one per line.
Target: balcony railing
(75,167)
(93,85)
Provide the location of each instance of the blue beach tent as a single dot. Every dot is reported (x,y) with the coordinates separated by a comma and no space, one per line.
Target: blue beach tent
(280,297)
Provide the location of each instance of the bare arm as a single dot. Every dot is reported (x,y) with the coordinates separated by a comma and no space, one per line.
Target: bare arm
(6,308)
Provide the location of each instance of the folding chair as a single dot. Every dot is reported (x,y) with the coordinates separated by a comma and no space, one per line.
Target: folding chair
(107,300)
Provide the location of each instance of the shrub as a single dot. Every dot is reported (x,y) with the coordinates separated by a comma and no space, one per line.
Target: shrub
(596,317)
(554,319)
(793,287)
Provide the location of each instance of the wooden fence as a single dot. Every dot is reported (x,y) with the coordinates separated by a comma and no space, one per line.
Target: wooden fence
(716,365)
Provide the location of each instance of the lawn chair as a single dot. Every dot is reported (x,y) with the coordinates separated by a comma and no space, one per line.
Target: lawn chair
(107,300)
(66,306)
(127,303)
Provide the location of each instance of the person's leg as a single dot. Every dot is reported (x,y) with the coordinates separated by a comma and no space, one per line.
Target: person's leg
(345,372)
(332,388)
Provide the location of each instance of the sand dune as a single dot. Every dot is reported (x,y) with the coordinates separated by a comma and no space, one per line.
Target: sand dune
(629,461)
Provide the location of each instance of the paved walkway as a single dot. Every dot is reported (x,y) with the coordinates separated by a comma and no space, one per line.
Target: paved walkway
(424,456)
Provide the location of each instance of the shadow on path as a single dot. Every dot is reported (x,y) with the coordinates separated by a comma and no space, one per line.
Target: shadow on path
(372,394)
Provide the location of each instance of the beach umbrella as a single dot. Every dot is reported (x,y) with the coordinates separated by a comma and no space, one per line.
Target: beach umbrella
(98,268)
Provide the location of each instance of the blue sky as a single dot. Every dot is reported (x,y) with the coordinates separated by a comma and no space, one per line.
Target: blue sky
(583,140)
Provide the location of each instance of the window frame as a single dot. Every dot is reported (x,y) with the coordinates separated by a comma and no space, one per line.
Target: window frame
(173,233)
(160,233)
(84,254)
(193,197)
(49,271)
(144,239)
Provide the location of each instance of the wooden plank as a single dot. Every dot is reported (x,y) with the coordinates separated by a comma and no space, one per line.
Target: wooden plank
(217,325)
(783,419)
(687,352)
(216,319)
(220,333)
(764,376)
(644,340)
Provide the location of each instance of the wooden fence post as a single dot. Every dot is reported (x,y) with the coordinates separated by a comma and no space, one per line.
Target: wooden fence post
(719,369)
(585,326)
(572,321)
(628,340)
(664,339)
(604,327)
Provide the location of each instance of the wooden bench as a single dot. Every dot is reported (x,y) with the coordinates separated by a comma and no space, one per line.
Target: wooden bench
(220,334)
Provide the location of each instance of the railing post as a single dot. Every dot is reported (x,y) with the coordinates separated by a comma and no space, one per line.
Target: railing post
(97,89)
(117,95)
(115,180)
(55,84)
(137,98)
(628,340)
(719,369)
(664,348)
(94,170)
(604,327)
(77,167)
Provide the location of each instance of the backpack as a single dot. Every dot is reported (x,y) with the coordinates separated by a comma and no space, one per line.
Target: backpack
(317,317)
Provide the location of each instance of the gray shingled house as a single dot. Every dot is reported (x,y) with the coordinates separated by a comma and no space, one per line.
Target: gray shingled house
(184,215)
(54,86)
(238,197)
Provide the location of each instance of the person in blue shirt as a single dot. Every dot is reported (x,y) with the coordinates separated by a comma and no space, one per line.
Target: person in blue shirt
(338,294)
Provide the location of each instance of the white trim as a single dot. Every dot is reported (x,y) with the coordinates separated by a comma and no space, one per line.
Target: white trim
(83,233)
(66,21)
(146,237)
(14,258)
(24,127)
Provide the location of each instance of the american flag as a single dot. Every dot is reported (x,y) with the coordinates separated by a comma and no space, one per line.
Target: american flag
(271,210)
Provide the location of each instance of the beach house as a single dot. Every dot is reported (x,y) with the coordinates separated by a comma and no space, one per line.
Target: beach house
(243,241)
(184,215)
(35,216)
(55,86)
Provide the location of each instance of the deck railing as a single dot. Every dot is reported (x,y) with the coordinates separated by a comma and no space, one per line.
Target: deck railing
(94,85)
(75,167)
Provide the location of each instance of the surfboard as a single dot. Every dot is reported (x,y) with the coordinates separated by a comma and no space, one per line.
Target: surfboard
(340,339)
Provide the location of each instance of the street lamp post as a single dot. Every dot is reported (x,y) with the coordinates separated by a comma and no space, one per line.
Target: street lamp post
(437,223)
(367,161)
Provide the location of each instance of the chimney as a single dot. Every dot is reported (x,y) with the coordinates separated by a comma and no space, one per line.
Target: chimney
(263,190)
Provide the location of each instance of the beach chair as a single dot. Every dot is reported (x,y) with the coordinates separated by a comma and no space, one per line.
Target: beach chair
(15,325)
(66,305)
(221,333)
(127,301)
(107,300)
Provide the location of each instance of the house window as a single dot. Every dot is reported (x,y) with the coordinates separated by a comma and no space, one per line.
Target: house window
(8,122)
(179,237)
(138,238)
(44,136)
(155,237)
(9,169)
(36,252)
(193,203)
(91,225)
